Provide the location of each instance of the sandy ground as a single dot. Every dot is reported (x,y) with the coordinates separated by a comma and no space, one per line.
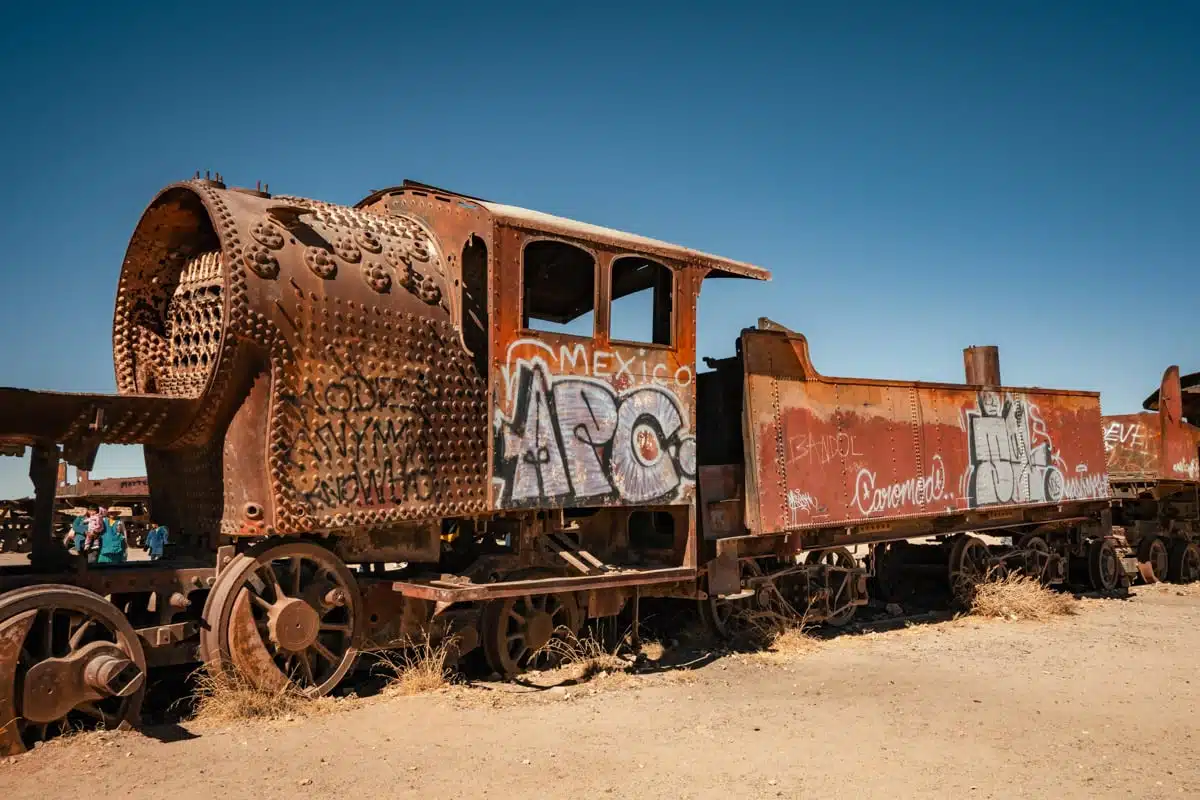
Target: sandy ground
(1097,705)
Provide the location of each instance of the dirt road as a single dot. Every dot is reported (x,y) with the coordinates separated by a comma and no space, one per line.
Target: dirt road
(1097,705)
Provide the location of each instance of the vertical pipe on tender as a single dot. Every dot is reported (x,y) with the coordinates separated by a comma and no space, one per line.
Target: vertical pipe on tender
(982,363)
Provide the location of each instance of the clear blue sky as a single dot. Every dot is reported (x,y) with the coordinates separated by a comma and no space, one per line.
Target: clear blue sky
(919,176)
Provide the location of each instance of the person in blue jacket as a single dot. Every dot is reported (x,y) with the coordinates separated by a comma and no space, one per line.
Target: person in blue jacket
(112,541)
(156,541)
(79,527)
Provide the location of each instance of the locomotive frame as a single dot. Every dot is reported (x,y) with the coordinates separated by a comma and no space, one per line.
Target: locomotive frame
(373,427)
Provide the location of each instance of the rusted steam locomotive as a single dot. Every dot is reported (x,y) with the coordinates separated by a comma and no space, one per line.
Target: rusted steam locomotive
(430,414)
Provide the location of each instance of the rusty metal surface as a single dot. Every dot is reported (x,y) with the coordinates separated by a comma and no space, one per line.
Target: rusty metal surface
(982,365)
(28,417)
(1157,445)
(449,592)
(837,451)
(318,343)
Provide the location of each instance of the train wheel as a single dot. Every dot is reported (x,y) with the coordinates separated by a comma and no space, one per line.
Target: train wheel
(288,613)
(516,629)
(1184,562)
(68,660)
(1104,568)
(1037,557)
(969,559)
(1153,560)
(837,557)
(721,613)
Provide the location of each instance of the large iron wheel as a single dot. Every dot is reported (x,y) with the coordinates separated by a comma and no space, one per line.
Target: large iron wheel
(1153,559)
(969,564)
(721,613)
(843,558)
(1037,557)
(68,661)
(1184,562)
(516,629)
(288,613)
(1104,568)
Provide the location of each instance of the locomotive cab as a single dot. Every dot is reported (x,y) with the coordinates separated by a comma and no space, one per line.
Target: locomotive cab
(586,338)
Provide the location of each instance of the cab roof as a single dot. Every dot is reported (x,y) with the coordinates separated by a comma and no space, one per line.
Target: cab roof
(517,217)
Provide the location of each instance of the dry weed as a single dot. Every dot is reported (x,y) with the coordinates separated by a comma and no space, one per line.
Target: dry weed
(1015,597)
(225,696)
(419,669)
(585,658)
(779,630)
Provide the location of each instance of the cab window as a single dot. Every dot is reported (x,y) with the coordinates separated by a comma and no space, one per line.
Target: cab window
(642,294)
(559,288)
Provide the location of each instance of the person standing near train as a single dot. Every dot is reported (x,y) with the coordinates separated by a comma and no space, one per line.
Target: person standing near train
(156,541)
(79,531)
(112,541)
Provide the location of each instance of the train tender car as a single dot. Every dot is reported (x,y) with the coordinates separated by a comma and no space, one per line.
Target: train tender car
(826,463)
(1155,473)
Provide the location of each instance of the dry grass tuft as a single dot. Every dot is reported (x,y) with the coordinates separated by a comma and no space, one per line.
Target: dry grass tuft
(420,669)
(225,696)
(778,631)
(793,641)
(1017,597)
(585,658)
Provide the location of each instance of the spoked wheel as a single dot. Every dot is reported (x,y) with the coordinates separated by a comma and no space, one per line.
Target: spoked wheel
(1104,568)
(1184,562)
(837,557)
(68,660)
(516,629)
(1153,560)
(283,613)
(969,560)
(720,613)
(1037,557)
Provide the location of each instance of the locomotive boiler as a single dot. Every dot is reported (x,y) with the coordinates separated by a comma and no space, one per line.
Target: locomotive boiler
(432,415)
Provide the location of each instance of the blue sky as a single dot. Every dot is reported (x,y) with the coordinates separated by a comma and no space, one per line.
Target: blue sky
(919,176)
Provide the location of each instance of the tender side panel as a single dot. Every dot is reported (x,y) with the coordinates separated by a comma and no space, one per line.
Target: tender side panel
(833,451)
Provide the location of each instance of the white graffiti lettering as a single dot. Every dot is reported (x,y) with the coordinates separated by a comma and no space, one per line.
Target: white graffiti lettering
(1126,434)
(1188,468)
(823,449)
(871,499)
(1013,460)
(620,370)
(1006,464)
(801,502)
(1086,487)
(574,439)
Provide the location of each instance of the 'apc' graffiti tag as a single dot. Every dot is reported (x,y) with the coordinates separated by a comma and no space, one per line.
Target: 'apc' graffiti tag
(573,439)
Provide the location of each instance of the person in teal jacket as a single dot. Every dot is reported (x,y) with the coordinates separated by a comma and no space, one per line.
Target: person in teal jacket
(156,541)
(112,541)
(79,527)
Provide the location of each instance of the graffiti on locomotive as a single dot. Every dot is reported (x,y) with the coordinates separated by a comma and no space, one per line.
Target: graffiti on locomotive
(580,425)
(1011,457)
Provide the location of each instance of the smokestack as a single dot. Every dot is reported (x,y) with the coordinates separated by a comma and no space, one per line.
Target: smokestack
(62,473)
(982,364)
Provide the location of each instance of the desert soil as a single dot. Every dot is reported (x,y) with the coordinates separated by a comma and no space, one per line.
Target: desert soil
(1096,705)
